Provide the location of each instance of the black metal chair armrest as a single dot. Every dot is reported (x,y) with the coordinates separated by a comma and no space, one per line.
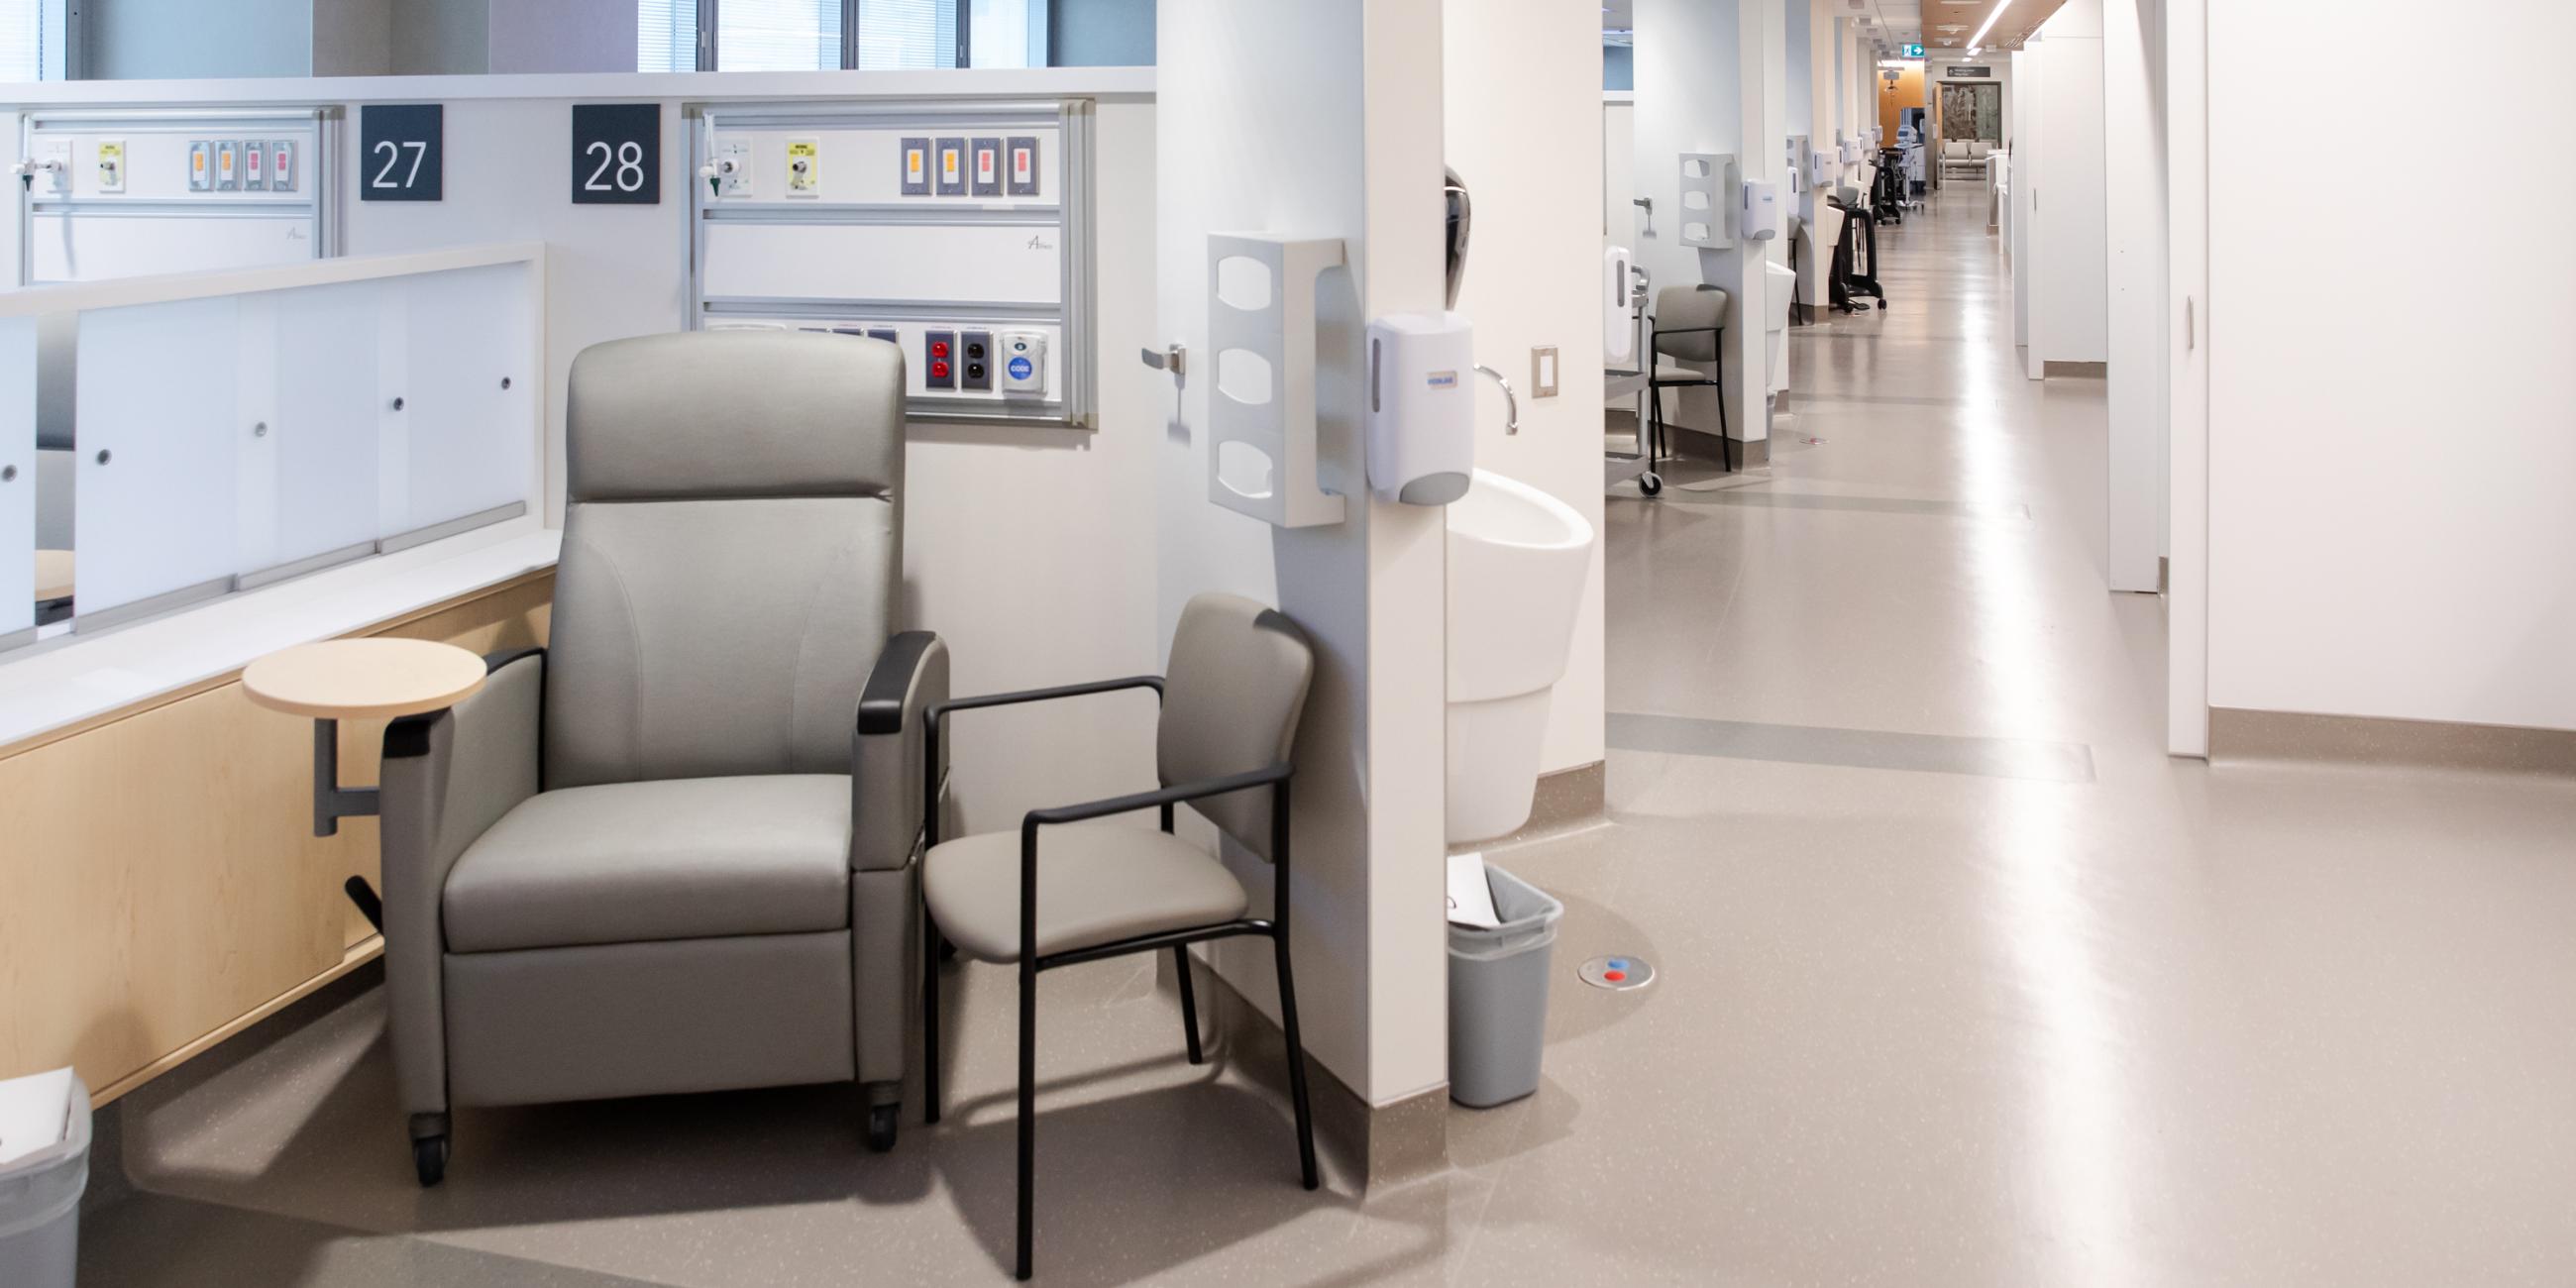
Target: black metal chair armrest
(1172,795)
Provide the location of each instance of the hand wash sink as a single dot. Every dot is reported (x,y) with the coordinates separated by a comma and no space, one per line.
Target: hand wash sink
(1517,563)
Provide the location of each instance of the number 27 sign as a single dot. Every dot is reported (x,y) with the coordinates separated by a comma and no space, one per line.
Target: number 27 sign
(617,154)
(401,152)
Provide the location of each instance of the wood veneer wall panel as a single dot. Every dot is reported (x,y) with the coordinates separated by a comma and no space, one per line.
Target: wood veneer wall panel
(159,880)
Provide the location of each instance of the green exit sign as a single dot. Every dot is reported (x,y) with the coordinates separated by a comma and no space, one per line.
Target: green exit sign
(1914,51)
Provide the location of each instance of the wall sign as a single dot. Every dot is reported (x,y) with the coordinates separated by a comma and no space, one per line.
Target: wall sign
(1968,73)
(1914,51)
(401,152)
(616,154)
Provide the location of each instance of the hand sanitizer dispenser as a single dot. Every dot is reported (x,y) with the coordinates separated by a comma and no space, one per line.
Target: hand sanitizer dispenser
(1421,407)
(1760,218)
(1821,170)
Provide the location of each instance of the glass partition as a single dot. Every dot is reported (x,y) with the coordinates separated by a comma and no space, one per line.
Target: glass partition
(226,439)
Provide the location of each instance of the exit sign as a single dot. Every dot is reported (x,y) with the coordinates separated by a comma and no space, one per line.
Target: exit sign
(1914,51)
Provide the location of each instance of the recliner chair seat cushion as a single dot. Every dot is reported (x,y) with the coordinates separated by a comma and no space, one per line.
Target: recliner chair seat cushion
(1096,885)
(690,858)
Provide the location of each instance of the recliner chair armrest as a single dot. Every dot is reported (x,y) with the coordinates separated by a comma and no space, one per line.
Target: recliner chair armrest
(447,777)
(888,770)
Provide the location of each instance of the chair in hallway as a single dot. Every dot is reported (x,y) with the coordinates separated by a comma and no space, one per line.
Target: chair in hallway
(1688,327)
(1048,895)
(675,849)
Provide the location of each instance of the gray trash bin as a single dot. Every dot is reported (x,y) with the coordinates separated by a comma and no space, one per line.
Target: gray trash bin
(40,1206)
(1498,994)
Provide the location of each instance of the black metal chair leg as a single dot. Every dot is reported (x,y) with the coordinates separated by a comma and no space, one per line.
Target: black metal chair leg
(931,940)
(1725,436)
(1189,1003)
(1296,1062)
(1028,1107)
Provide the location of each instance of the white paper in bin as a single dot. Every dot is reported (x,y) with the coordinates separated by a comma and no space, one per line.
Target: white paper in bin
(1529,920)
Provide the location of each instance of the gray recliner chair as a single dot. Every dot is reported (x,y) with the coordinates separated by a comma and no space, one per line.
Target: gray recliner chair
(678,850)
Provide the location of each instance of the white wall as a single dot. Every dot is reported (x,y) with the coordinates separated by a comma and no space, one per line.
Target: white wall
(2134,232)
(2390,462)
(1687,101)
(1345,99)
(159,39)
(1823,224)
(1524,119)
(2021,229)
(2070,304)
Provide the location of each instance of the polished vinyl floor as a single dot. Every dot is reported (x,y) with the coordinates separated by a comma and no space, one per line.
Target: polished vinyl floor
(1963,981)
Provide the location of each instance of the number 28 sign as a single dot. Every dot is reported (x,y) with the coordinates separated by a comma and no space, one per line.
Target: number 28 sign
(401,152)
(617,154)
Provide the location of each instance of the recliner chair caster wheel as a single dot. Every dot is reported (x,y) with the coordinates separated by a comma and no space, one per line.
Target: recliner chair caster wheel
(881,1127)
(1650,484)
(1882,304)
(429,1159)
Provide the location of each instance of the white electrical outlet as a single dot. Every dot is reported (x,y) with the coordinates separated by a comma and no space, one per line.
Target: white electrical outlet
(111,165)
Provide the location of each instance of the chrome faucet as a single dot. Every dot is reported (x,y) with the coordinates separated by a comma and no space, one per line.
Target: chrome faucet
(1511,403)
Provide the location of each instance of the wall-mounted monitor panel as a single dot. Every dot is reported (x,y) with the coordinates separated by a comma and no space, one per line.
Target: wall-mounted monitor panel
(146,191)
(841,218)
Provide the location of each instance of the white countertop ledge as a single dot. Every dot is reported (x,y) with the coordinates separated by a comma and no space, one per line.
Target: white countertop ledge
(46,687)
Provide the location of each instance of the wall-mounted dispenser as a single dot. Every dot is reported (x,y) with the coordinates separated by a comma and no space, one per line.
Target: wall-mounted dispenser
(1421,407)
(1705,176)
(1618,334)
(1759,217)
(1822,170)
(1852,152)
(1261,451)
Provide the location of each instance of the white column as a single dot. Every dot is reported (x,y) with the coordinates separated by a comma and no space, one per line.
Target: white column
(1702,87)
(2134,209)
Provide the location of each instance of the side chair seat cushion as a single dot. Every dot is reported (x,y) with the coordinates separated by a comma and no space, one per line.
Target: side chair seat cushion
(1096,885)
(687,858)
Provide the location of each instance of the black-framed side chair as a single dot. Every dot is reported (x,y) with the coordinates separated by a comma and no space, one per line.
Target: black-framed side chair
(1689,325)
(1048,896)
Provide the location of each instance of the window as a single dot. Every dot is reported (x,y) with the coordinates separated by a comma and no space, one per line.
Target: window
(31,40)
(666,35)
(806,35)
(778,35)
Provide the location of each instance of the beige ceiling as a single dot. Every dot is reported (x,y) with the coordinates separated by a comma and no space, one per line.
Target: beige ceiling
(1901,22)
(1950,24)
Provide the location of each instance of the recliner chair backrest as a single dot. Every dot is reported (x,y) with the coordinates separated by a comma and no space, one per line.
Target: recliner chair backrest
(733,543)
(1232,697)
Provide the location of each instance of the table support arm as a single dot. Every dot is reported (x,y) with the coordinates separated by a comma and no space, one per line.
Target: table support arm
(331,801)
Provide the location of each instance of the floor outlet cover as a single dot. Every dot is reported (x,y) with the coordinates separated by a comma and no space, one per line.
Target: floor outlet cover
(1618,973)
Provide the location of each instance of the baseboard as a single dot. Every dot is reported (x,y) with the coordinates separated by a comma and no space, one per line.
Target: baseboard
(2236,734)
(1378,1144)
(1568,800)
(2076,370)
(1701,445)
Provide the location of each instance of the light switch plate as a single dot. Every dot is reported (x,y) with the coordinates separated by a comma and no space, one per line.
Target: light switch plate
(1543,372)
